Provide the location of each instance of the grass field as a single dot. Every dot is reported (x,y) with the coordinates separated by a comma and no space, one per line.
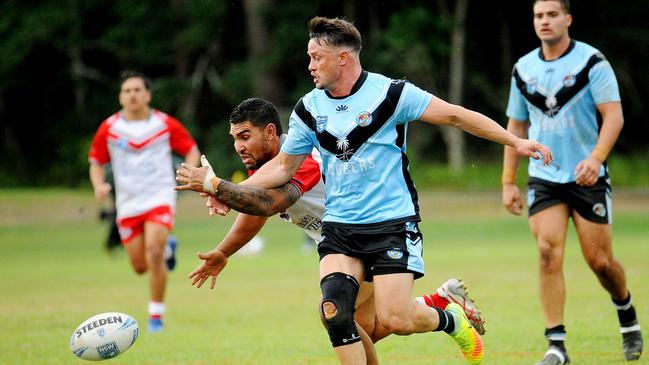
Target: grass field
(54,274)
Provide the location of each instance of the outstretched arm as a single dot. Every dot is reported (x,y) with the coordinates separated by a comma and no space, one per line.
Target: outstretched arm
(245,227)
(257,201)
(439,112)
(242,198)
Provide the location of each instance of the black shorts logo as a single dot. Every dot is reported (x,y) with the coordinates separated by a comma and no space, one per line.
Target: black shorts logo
(394,254)
(599,209)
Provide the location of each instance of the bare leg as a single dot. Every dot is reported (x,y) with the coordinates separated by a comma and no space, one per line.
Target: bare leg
(595,240)
(397,312)
(155,239)
(136,255)
(549,226)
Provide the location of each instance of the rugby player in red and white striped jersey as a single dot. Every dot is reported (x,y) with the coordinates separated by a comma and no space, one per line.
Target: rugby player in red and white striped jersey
(138,141)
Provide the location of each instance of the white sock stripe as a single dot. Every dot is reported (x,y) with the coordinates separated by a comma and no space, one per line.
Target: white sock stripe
(630,329)
(556,336)
(557,353)
(448,320)
(623,307)
(156,308)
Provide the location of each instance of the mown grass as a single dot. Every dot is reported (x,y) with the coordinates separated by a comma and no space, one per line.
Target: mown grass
(54,274)
(483,174)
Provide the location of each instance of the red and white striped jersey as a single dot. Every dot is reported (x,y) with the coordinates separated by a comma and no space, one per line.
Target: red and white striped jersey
(140,154)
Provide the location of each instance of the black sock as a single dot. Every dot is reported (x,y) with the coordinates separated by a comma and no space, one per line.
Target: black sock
(625,312)
(446,321)
(556,337)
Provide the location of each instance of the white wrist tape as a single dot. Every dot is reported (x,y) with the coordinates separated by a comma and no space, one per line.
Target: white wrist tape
(211,181)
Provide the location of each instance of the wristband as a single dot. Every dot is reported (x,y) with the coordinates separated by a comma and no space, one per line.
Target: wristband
(211,182)
(509,175)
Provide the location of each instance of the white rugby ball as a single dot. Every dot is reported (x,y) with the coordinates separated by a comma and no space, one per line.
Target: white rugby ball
(104,336)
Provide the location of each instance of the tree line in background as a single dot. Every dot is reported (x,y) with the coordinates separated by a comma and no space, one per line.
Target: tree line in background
(60,60)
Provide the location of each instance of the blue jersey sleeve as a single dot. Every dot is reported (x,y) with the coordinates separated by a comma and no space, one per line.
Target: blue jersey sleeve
(603,84)
(413,103)
(516,107)
(300,139)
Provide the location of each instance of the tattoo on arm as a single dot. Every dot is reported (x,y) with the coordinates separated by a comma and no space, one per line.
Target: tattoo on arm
(257,201)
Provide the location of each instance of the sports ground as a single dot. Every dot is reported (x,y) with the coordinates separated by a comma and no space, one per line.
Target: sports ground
(54,274)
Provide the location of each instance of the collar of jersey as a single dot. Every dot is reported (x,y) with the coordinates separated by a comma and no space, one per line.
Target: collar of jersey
(570,47)
(357,85)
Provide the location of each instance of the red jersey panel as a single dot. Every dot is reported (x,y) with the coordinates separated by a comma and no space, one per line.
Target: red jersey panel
(140,155)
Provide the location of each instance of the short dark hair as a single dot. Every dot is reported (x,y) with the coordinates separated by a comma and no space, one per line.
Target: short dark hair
(258,112)
(564,3)
(127,74)
(335,32)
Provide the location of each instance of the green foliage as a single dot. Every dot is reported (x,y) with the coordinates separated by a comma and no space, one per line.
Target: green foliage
(61,59)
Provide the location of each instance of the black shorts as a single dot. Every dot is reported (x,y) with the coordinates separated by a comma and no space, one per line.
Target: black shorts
(384,248)
(593,202)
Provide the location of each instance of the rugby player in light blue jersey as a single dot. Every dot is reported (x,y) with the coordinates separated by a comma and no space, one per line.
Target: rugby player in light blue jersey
(557,90)
(358,121)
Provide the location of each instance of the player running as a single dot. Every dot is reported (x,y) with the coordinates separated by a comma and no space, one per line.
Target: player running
(138,141)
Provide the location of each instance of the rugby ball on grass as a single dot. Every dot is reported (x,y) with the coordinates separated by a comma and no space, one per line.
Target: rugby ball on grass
(104,336)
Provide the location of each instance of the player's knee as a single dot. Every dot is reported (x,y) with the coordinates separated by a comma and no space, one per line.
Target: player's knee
(396,324)
(550,258)
(329,310)
(155,255)
(339,292)
(139,267)
(599,265)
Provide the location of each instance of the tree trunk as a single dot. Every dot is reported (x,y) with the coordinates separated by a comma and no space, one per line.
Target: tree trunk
(265,84)
(454,137)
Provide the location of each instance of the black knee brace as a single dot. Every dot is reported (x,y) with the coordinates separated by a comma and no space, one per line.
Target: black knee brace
(341,290)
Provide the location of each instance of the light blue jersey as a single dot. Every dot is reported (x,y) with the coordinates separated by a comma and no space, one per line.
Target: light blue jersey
(559,99)
(362,141)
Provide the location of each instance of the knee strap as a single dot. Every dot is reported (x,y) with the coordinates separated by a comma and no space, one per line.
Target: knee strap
(341,290)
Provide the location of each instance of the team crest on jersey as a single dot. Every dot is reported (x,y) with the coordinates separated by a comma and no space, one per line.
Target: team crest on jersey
(599,209)
(531,85)
(122,143)
(364,119)
(569,80)
(321,123)
(394,254)
(551,104)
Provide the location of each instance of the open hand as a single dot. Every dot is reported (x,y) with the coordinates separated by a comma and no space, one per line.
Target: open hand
(213,263)
(200,179)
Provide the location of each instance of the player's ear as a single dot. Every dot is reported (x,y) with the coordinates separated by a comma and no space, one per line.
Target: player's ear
(270,130)
(343,57)
(147,96)
(569,19)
